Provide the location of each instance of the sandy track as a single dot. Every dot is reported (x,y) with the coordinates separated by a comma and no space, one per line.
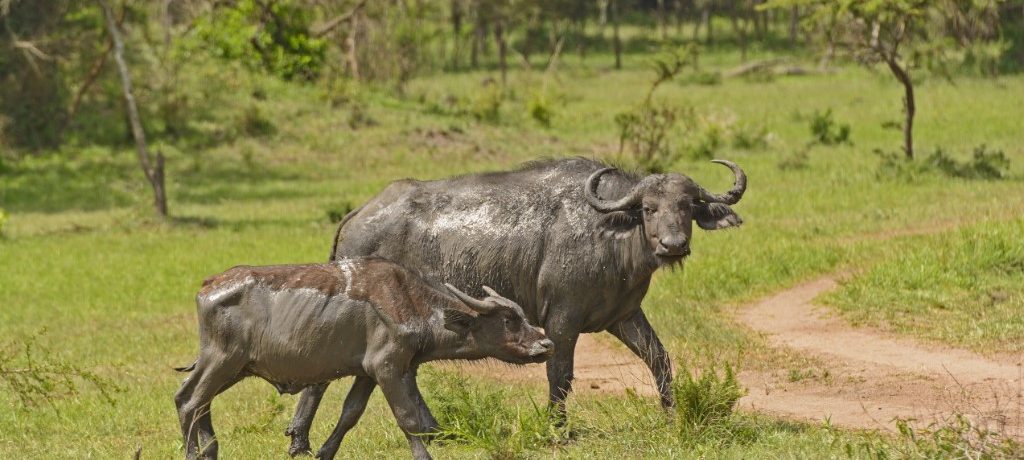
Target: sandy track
(873,377)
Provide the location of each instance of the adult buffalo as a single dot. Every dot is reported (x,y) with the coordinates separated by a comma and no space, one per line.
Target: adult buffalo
(573,241)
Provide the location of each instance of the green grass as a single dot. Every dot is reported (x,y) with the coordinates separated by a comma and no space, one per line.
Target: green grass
(964,287)
(113,288)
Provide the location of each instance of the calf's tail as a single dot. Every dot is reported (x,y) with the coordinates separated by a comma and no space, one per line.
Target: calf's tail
(188,368)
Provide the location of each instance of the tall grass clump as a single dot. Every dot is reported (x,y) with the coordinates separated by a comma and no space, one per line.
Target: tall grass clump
(705,404)
(493,419)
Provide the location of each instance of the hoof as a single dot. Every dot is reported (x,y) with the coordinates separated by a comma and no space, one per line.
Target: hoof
(299,447)
(324,454)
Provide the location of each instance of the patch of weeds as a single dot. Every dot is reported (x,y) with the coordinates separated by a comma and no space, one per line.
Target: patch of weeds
(826,131)
(4,217)
(954,438)
(254,123)
(705,403)
(795,161)
(540,110)
(34,375)
(746,136)
(703,78)
(486,104)
(338,212)
(984,164)
(485,418)
(359,115)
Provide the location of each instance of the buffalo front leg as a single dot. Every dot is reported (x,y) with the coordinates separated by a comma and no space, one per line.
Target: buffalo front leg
(637,333)
(304,412)
(355,404)
(560,367)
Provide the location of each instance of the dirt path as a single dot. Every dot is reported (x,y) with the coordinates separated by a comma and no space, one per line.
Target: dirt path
(875,377)
(872,377)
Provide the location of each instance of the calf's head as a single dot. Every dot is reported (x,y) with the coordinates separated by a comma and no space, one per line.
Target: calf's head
(663,207)
(499,330)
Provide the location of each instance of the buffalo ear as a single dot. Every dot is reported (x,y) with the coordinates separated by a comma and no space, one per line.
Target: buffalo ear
(618,224)
(457,321)
(714,216)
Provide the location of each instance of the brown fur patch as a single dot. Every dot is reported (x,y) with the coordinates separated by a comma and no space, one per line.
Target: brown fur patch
(325,278)
(396,292)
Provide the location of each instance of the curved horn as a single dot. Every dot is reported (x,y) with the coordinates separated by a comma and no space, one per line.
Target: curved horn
(590,192)
(504,300)
(734,194)
(478,306)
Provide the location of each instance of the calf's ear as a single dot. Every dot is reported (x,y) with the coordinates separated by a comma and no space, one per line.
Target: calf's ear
(618,224)
(714,216)
(457,321)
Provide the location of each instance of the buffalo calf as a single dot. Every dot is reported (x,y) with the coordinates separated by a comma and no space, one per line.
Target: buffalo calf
(300,325)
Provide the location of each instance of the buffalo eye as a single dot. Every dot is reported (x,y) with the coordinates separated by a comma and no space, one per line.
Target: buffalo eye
(648,210)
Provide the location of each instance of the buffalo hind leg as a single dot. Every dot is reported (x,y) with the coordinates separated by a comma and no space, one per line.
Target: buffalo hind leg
(638,335)
(309,401)
(355,404)
(560,372)
(193,403)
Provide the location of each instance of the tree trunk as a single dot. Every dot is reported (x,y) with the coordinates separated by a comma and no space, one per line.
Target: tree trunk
(499,37)
(794,24)
(662,20)
(154,171)
(706,17)
(616,41)
(908,106)
(351,46)
(456,32)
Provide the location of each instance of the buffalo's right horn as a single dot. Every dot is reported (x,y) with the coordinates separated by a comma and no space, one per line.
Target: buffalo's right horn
(630,200)
(477,305)
(738,187)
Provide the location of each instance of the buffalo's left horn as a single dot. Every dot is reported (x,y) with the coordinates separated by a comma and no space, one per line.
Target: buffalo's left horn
(738,187)
(590,192)
(477,305)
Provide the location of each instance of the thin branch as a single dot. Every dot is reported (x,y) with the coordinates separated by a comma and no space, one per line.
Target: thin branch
(334,23)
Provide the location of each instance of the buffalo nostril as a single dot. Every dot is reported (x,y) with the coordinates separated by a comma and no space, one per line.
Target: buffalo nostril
(546,344)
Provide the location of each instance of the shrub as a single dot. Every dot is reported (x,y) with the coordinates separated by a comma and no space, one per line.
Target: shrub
(747,136)
(826,131)
(644,131)
(35,376)
(540,110)
(336,213)
(703,78)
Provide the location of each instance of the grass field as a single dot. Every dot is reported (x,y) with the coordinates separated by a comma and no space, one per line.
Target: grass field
(104,286)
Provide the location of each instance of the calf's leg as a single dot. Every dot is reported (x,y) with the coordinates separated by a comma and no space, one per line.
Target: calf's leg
(638,335)
(355,404)
(400,392)
(303,419)
(210,378)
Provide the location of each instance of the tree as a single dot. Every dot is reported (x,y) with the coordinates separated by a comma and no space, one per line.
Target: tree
(905,35)
(154,170)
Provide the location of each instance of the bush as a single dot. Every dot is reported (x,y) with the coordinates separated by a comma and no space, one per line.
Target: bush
(826,131)
(703,78)
(747,136)
(644,131)
(336,213)
(540,110)
(984,164)
(485,419)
